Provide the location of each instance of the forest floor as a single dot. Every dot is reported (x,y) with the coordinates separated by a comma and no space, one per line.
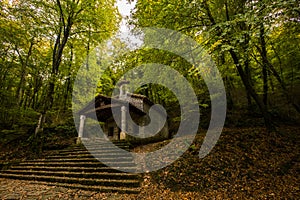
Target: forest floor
(246,163)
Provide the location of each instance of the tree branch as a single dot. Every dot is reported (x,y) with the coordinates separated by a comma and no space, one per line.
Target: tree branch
(61,14)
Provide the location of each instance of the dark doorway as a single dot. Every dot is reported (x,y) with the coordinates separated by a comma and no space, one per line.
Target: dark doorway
(110,131)
(119,133)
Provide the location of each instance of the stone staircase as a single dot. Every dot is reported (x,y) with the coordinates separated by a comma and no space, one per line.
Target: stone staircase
(79,168)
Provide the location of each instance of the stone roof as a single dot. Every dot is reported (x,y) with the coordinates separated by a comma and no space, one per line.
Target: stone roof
(103,106)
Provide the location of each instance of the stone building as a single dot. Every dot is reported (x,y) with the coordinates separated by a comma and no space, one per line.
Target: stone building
(111,113)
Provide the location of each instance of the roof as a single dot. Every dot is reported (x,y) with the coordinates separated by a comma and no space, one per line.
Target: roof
(104,105)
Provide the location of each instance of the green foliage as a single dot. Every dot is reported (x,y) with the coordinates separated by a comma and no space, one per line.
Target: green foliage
(232,32)
(43,44)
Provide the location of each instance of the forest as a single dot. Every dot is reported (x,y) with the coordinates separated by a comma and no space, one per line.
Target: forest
(254,44)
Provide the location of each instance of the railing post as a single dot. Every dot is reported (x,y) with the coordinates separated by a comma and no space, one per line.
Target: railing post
(123,123)
(81,128)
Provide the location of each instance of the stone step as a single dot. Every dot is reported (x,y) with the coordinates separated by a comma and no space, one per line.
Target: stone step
(80,159)
(76,164)
(99,142)
(71,180)
(88,155)
(103,141)
(102,189)
(95,147)
(73,169)
(95,175)
(102,144)
(107,152)
(99,145)
(78,167)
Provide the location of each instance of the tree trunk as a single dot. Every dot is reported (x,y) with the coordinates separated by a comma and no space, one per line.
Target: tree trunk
(60,43)
(230,104)
(281,82)
(264,64)
(68,82)
(247,84)
(248,77)
(63,34)
(24,63)
(250,90)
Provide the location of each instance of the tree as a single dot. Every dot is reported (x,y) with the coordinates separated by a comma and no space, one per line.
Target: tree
(43,44)
(230,29)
